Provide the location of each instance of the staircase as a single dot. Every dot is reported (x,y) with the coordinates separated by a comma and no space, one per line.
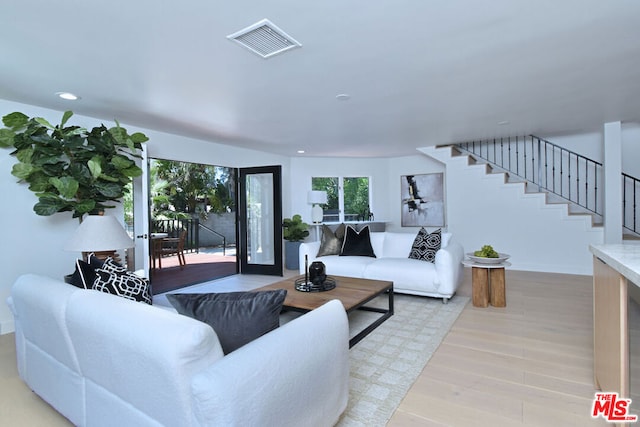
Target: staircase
(488,205)
(562,175)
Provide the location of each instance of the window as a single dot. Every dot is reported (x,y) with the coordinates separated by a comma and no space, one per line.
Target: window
(347,198)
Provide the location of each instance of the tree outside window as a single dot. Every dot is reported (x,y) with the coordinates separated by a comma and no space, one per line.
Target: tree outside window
(347,198)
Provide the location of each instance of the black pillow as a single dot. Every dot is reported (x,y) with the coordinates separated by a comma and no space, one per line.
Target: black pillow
(331,242)
(357,243)
(426,245)
(124,284)
(237,317)
(84,275)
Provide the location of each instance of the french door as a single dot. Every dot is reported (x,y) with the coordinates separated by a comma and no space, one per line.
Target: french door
(260,220)
(141,214)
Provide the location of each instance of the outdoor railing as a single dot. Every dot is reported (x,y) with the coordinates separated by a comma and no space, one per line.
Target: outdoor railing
(224,239)
(173,227)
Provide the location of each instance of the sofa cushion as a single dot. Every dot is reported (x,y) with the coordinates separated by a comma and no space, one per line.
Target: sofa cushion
(350,266)
(426,245)
(124,284)
(357,243)
(330,241)
(405,273)
(237,317)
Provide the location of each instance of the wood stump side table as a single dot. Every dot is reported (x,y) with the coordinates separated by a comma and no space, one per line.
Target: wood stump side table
(488,283)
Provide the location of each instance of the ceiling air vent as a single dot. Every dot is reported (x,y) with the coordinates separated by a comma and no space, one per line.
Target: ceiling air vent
(265,39)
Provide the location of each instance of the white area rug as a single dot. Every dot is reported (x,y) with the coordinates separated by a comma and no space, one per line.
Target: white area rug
(387,362)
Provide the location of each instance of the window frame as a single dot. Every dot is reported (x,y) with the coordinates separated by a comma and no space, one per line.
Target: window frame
(341,204)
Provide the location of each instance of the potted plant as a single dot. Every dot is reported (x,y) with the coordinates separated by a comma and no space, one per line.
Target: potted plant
(70,168)
(294,231)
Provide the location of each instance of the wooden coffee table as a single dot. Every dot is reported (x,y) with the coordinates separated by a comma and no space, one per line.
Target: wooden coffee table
(354,293)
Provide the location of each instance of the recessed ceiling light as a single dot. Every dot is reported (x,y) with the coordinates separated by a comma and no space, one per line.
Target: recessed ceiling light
(68,96)
(343,97)
(300,151)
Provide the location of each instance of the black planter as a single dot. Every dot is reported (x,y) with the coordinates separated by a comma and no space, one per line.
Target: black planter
(291,260)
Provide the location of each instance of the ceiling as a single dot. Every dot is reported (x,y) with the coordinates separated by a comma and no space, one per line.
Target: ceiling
(416,72)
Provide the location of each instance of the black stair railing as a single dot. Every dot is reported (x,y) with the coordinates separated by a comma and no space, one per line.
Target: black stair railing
(630,189)
(559,171)
(551,168)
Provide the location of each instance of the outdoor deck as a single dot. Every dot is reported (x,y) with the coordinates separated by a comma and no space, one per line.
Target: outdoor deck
(200,267)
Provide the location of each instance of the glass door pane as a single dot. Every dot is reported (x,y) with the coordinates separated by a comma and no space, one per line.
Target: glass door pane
(260,220)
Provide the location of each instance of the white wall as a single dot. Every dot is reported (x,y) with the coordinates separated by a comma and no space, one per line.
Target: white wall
(484,210)
(33,244)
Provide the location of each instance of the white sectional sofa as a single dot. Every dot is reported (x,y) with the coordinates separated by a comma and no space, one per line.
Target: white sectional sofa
(411,276)
(102,360)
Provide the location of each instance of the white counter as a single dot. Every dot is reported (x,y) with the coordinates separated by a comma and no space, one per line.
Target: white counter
(624,258)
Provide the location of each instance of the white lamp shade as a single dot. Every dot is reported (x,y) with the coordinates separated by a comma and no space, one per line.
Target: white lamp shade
(316,197)
(99,233)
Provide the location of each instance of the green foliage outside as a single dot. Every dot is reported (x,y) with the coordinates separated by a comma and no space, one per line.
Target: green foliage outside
(356,194)
(70,168)
(181,190)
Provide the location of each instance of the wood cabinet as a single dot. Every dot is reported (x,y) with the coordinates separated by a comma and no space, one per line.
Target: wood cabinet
(610,329)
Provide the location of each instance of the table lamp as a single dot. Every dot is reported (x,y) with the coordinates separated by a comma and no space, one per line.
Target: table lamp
(317,198)
(100,234)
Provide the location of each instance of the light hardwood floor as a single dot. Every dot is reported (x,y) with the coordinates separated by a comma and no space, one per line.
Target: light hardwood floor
(529,363)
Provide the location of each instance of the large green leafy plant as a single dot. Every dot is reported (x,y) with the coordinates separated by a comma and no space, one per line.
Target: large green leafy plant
(70,168)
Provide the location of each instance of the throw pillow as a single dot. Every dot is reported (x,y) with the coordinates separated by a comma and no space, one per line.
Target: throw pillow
(331,241)
(357,243)
(111,265)
(124,284)
(85,274)
(237,317)
(426,245)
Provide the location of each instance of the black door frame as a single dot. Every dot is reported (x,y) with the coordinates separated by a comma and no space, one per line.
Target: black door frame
(245,268)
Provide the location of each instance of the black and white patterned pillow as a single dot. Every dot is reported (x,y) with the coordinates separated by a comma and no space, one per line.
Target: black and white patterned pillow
(124,284)
(426,245)
(111,265)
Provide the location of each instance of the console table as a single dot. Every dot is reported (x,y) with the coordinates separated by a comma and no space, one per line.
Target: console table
(616,275)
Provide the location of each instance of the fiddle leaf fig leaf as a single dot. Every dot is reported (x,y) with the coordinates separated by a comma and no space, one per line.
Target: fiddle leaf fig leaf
(95,167)
(24,155)
(85,206)
(121,162)
(43,122)
(65,117)
(109,189)
(22,170)
(132,172)
(66,186)
(139,137)
(15,120)
(6,137)
(48,205)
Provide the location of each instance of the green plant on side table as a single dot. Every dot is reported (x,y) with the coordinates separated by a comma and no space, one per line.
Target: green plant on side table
(294,231)
(70,168)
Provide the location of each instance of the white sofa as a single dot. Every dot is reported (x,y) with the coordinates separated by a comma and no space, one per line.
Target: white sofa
(410,276)
(102,360)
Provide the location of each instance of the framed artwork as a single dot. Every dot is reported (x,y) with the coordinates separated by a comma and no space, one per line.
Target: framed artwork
(422,200)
